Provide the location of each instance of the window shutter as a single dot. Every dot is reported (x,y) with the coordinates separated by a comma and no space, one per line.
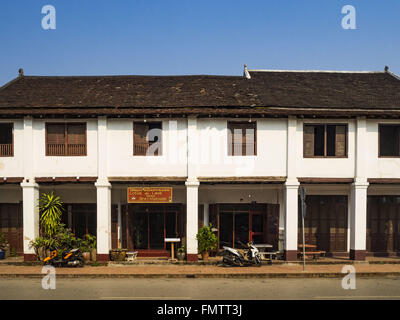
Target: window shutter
(76,136)
(230,139)
(56,139)
(249,134)
(140,143)
(340,142)
(308,141)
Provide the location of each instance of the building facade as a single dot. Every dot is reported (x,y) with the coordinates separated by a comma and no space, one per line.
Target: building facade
(230,151)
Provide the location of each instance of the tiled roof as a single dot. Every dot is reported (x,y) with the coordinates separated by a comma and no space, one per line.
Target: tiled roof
(272,89)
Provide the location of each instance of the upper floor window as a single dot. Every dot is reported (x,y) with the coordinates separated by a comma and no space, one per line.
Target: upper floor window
(389,140)
(6,140)
(65,139)
(325,140)
(242,138)
(147,138)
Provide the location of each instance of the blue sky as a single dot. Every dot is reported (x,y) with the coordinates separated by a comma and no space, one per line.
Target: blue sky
(196,37)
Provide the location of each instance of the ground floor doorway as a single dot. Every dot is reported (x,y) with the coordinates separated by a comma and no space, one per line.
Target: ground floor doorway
(11,224)
(383,224)
(241,223)
(145,226)
(325,223)
(81,218)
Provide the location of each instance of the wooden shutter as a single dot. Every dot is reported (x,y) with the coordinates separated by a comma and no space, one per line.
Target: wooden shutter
(340,142)
(201,216)
(140,143)
(76,137)
(249,139)
(230,139)
(55,139)
(308,141)
(114,226)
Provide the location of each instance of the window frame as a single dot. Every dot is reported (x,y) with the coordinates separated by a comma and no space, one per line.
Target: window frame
(253,123)
(159,150)
(325,156)
(379,138)
(12,140)
(65,124)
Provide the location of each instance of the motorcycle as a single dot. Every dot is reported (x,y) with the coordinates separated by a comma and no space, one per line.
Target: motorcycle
(68,258)
(236,257)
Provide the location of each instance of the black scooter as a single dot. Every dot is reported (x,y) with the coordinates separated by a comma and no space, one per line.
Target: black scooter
(68,258)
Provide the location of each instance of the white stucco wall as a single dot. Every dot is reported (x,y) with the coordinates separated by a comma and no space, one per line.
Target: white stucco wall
(122,162)
(379,167)
(214,160)
(325,167)
(44,166)
(13,166)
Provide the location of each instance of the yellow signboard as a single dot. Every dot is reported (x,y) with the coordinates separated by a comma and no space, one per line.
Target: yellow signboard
(149,195)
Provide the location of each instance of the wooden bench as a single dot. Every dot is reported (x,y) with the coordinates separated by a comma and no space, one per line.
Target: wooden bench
(270,254)
(314,254)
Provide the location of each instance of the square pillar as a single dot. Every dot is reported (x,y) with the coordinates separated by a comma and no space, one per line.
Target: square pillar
(291,192)
(103,220)
(358,220)
(30,197)
(192,203)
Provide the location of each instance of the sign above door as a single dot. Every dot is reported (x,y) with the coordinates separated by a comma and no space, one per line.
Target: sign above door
(149,195)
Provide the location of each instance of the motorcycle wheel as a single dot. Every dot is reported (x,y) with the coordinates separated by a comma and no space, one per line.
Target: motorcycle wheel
(238,262)
(226,262)
(257,261)
(81,262)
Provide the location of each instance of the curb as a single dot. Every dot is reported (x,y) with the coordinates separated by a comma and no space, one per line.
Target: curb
(205,276)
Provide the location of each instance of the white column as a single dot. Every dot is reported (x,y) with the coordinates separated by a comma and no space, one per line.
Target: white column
(30,197)
(192,203)
(103,219)
(358,195)
(28,158)
(291,191)
(192,190)
(358,220)
(291,219)
(103,193)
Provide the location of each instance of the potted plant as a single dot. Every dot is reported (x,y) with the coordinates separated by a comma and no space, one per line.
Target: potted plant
(85,250)
(92,244)
(118,254)
(39,245)
(207,241)
(180,254)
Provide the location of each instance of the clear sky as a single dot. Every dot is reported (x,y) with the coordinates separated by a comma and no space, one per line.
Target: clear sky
(196,37)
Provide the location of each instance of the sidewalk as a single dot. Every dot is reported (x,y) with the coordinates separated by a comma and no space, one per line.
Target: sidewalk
(204,271)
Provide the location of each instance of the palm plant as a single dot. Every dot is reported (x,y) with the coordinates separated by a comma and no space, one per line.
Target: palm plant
(50,208)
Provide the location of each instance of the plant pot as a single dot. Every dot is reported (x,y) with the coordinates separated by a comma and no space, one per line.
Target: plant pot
(86,256)
(93,255)
(180,256)
(2,254)
(204,256)
(41,252)
(118,254)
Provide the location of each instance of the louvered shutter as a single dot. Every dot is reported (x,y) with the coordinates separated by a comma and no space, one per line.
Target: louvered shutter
(56,139)
(308,141)
(140,143)
(340,142)
(76,139)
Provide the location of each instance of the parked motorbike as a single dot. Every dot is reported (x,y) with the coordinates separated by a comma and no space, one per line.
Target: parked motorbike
(236,257)
(68,258)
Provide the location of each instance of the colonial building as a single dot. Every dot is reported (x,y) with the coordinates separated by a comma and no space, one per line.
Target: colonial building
(137,159)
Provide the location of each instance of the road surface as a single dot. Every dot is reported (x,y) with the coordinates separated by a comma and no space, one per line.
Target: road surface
(202,289)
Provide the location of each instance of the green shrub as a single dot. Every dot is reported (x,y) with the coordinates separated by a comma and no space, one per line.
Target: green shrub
(207,240)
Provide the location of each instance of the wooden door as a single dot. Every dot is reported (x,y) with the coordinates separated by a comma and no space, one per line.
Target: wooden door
(11,225)
(325,223)
(383,224)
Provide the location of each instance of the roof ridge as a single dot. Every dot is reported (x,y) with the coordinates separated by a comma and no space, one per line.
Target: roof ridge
(314,71)
(7,84)
(136,76)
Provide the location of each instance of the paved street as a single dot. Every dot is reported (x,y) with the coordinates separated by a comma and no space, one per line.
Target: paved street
(180,289)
